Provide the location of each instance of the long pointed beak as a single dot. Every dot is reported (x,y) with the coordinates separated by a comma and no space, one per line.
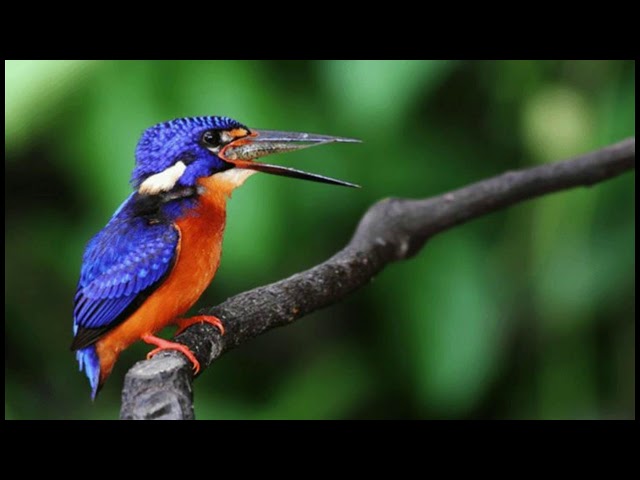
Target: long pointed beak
(261,143)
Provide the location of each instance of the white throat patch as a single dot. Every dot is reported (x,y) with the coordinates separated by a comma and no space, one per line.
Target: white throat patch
(235,176)
(163,181)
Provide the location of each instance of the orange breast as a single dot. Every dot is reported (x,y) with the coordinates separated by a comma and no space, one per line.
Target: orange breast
(197,260)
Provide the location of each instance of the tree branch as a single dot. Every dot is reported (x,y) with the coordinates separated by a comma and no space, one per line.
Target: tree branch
(392,229)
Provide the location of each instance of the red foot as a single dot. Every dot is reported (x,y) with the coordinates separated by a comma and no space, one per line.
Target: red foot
(163,344)
(187,322)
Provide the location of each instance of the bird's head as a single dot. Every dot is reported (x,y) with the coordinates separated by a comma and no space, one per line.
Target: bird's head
(180,152)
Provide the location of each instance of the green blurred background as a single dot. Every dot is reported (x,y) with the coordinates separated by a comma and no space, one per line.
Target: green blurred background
(526,313)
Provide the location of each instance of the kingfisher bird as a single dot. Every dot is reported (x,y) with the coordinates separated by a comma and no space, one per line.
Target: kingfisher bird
(161,248)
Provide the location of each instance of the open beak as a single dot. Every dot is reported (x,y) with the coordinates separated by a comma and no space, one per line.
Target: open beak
(261,143)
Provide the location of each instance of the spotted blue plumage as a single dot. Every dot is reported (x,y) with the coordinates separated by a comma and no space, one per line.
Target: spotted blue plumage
(120,265)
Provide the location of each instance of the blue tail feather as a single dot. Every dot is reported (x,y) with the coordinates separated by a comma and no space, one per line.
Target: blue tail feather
(89,362)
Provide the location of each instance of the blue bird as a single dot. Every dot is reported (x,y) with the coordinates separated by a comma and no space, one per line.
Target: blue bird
(162,246)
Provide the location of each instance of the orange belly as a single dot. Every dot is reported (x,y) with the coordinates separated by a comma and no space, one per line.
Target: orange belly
(198,257)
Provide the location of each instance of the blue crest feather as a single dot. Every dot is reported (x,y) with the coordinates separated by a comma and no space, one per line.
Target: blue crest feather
(164,144)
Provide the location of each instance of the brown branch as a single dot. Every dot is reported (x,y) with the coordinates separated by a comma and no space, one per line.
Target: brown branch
(392,229)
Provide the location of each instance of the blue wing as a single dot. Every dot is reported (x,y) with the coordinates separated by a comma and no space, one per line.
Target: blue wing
(122,265)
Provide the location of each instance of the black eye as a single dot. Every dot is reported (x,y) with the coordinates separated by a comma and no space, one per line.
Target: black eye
(211,138)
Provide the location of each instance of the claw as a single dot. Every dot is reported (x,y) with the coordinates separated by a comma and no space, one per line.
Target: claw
(184,323)
(163,344)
